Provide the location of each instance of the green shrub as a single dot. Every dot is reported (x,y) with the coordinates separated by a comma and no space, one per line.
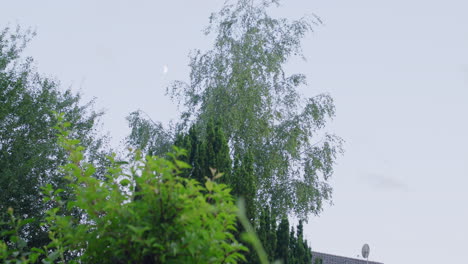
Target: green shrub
(143,213)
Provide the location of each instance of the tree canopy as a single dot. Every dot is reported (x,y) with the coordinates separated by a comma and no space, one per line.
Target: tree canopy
(29,154)
(243,124)
(241,84)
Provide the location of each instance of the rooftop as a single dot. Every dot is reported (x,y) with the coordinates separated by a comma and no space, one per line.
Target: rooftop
(334,259)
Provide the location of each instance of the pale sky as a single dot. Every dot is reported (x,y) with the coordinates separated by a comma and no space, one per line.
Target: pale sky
(398,71)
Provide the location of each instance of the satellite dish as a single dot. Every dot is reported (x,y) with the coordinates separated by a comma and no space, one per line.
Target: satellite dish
(365,251)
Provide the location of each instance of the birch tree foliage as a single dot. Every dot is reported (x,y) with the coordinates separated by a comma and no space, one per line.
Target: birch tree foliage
(241,83)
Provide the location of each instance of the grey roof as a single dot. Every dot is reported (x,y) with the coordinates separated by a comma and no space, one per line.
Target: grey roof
(333,259)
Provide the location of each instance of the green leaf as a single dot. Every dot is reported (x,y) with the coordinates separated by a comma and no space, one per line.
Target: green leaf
(209,185)
(125,182)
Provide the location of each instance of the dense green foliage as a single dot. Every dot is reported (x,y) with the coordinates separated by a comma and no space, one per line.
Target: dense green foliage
(174,219)
(244,183)
(241,85)
(206,150)
(29,153)
(280,243)
(244,131)
(281,155)
(148,135)
(282,236)
(210,150)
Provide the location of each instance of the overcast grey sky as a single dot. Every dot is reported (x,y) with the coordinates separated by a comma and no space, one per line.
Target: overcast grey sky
(398,71)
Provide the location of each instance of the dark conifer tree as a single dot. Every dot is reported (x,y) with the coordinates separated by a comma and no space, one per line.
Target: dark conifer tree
(197,155)
(243,183)
(223,157)
(262,229)
(272,237)
(308,255)
(210,154)
(282,244)
(183,141)
(203,153)
(267,232)
(300,252)
(292,247)
(217,154)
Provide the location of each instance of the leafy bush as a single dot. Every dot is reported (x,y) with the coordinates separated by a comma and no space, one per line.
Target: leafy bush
(142,213)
